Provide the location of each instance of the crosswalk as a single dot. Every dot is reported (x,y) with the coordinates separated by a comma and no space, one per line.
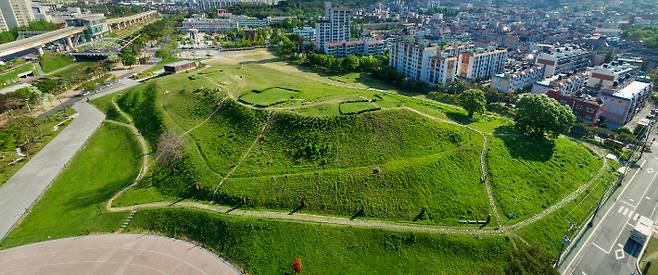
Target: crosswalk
(628,212)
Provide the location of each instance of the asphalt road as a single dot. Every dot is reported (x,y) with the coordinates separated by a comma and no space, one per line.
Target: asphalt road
(606,247)
(26,186)
(113,254)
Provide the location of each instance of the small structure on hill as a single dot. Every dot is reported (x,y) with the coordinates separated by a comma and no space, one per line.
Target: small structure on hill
(176,67)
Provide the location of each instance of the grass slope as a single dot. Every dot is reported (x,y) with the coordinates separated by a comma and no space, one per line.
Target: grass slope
(269,247)
(528,176)
(51,62)
(74,204)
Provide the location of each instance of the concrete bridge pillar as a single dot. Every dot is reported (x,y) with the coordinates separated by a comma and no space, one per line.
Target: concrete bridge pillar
(69,43)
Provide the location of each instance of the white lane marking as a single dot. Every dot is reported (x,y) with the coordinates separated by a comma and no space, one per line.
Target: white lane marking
(632,200)
(621,208)
(628,203)
(650,170)
(630,214)
(636,216)
(638,204)
(597,246)
(619,254)
(647,197)
(620,246)
(625,211)
(604,215)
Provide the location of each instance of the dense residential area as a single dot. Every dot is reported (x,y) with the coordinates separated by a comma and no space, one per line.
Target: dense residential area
(317,137)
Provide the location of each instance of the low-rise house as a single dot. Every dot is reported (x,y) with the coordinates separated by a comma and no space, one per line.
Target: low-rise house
(585,107)
(514,81)
(562,83)
(622,101)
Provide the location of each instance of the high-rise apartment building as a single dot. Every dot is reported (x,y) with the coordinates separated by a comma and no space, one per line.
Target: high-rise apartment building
(16,13)
(418,60)
(564,59)
(334,27)
(412,59)
(3,23)
(481,63)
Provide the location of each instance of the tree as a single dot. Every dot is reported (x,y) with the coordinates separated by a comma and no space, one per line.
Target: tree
(350,63)
(128,59)
(538,114)
(473,101)
(369,63)
(169,150)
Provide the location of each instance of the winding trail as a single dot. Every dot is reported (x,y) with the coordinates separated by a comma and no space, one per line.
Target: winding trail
(246,153)
(343,221)
(483,159)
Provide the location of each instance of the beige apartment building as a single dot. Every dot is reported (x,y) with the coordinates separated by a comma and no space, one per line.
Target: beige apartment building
(16,13)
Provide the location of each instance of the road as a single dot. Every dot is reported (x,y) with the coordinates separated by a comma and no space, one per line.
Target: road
(26,186)
(113,254)
(605,248)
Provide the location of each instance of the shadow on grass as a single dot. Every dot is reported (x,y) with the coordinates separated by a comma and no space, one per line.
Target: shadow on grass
(263,61)
(460,118)
(523,147)
(359,213)
(87,198)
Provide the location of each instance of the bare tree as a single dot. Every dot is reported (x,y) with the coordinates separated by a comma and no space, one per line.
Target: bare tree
(169,150)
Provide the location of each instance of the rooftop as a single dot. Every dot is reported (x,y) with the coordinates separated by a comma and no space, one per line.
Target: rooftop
(632,89)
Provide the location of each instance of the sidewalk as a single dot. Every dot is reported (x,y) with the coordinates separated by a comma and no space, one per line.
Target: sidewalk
(26,186)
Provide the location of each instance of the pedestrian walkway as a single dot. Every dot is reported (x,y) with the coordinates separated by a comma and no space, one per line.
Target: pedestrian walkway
(26,186)
(113,254)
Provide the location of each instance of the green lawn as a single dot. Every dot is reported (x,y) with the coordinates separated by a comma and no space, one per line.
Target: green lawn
(528,176)
(548,232)
(390,163)
(268,97)
(51,61)
(15,133)
(10,77)
(104,104)
(75,203)
(351,108)
(269,247)
(650,258)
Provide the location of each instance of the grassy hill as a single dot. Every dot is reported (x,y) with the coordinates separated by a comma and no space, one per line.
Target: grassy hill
(530,175)
(280,141)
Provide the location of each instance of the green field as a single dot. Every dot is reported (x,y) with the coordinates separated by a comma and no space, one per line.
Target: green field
(352,108)
(389,163)
(74,204)
(268,97)
(16,132)
(10,77)
(284,143)
(51,62)
(528,175)
(269,247)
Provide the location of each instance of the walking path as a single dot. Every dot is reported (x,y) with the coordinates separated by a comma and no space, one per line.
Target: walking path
(113,254)
(26,186)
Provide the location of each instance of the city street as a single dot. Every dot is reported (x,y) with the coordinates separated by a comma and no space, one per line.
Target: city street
(606,248)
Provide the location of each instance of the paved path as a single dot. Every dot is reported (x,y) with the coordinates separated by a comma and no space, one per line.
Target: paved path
(113,254)
(26,186)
